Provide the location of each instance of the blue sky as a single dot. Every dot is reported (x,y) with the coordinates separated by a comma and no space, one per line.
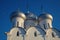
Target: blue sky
(8,6)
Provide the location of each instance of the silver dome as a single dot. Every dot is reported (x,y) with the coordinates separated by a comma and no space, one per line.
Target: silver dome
(18,14)
(45,16)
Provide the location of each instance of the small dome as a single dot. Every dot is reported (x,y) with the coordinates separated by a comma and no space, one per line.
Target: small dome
(45,16)
(31,16)
(18,14)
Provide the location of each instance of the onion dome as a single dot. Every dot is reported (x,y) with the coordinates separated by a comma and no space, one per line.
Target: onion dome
(45,16)
(17,14)
(31,16)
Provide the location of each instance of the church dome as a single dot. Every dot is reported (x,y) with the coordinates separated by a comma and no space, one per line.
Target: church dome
(31,16)
(17,14)
(45,16)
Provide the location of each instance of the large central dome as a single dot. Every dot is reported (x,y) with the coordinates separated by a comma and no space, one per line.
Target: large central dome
(31,16)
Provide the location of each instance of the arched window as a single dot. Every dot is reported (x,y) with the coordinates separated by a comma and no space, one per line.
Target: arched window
(35,34)
(18,33)
(17,24)
(53,35)
(48,25)
(44,26)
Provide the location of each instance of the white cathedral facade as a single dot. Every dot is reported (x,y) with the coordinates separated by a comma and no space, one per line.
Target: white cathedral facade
(27,26)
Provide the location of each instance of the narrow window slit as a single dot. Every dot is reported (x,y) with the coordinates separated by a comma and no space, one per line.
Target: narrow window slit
(48,25)
(35,34)
(53,35)
(17,24)
(44,26)
(18,33)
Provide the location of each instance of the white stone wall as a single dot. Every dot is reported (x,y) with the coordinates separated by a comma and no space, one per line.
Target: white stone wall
(48,35)
(31,36)
(13,34)
(18,20)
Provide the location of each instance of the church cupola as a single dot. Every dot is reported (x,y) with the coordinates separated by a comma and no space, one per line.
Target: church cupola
(17,19)
(45,20)
(31,20)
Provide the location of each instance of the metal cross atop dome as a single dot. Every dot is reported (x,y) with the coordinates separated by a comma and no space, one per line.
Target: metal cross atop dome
(41,7)
(27,6)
